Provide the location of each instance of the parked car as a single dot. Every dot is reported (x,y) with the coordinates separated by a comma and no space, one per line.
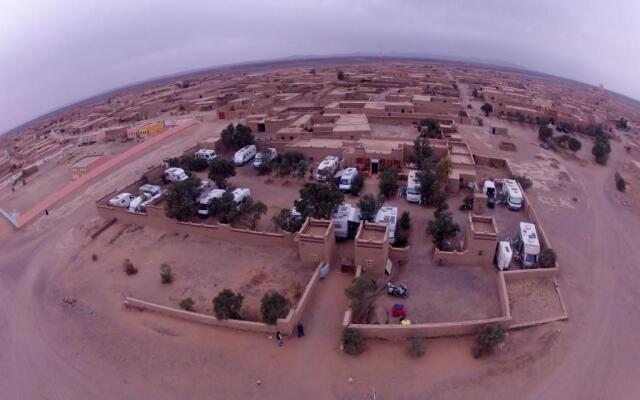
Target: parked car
(206,154)
(121,200)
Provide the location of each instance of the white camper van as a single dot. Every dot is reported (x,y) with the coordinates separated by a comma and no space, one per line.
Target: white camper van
(240,194)
(389,216)
(513,194)
(327,167)
(345,177)
(244,154)
(175,174)
(206,198)
(346,220)
(206,154)
(414,195)
(258,160)
(504,254)
(121,200)
(527,244)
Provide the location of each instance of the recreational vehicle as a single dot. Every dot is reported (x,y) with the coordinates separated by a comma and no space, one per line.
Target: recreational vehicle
(346,220)
(388,216)
(512,194)
(527,244)
(413,187)
(327,167)
(206,154)
(206,198)
(345,177)
(270,152)
(175,174)
(244,154)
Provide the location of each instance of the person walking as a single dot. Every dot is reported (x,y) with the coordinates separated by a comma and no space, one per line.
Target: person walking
(300,330)
(279,339)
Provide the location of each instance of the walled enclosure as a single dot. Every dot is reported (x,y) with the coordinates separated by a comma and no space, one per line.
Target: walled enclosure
(316,242)
(372,248)
(480,244)
(284,325)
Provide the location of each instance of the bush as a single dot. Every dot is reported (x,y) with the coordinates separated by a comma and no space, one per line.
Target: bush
(467,203)
(488,339)
(220,170)
(523,180)
(197,164)
(187,304)
(442,228)
(544,133)
(601,149)
(180,199)
(621,184)
(415,347)
(353,342)
(356,184)
(405,220)
(227,304)
(94,257)
(128,267)
(547,259)
(166,276)
(340,75)
(487,108)
(274,306)
(285,221)
(359,288)
(318,200)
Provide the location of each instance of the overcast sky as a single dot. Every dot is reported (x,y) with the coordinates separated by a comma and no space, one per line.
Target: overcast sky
(55,52)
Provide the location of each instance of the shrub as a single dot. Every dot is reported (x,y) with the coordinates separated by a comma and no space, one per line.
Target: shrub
(318,200)
(523,180)
(180,199)
(356,184)
(227,304)
(601,149)
(274,306)
(621,184)
(94,257)
(340,75)
(487,108)
(467,203)
(547,259)
(285,221)
(488,339)
(359,288)
(220,170)
(415,347)
(405,220)
(197,164)
(544,133)
(352,341)
(128,267)
(166,276)
(187,304)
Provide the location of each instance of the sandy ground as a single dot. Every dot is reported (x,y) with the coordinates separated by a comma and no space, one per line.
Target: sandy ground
(533,299)
(201,267)
(96,349)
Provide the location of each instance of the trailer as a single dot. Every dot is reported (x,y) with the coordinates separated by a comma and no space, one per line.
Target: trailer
(388,216)
(527,244)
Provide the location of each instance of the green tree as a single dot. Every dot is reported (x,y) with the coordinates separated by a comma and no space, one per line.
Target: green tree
(180,198)
(574,144)
(422,152)
(166,276)
(227,304)
(220,170)
(318,200)
(475,93)
(243,136)
(196,164)
(227,135)
(301,168)
(187,304)
(621,184)
(524,181)
(265,166)
(285,221)
(545,132)
(487,108)
(356,184)
(273,306)
(601,149)
(488,338)
(388,181)
(128,267)
(369,206)
(443,170)
(430,128)
(340,75)
(352,341)
(224,208)
(429,185)
(251,212)
(442,228)
(405,220)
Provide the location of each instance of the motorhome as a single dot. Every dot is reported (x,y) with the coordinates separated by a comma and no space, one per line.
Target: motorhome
(527,244)
(345,177)
(240,194)
(244,154)
(206,198)
(414,195)
(388,216)
(504,254)
(121,200)
(271,153)
(327,167)
(489,188)
(206,154)
(346,220)
(175,174)
(513,194)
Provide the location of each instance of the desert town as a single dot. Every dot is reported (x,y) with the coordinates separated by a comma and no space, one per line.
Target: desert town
(327,219)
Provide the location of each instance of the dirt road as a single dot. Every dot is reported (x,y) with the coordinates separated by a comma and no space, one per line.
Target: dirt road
(94,348)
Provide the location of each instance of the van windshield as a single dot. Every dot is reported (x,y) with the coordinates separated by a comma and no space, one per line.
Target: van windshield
(345,181)
(413,191)
(515,200)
